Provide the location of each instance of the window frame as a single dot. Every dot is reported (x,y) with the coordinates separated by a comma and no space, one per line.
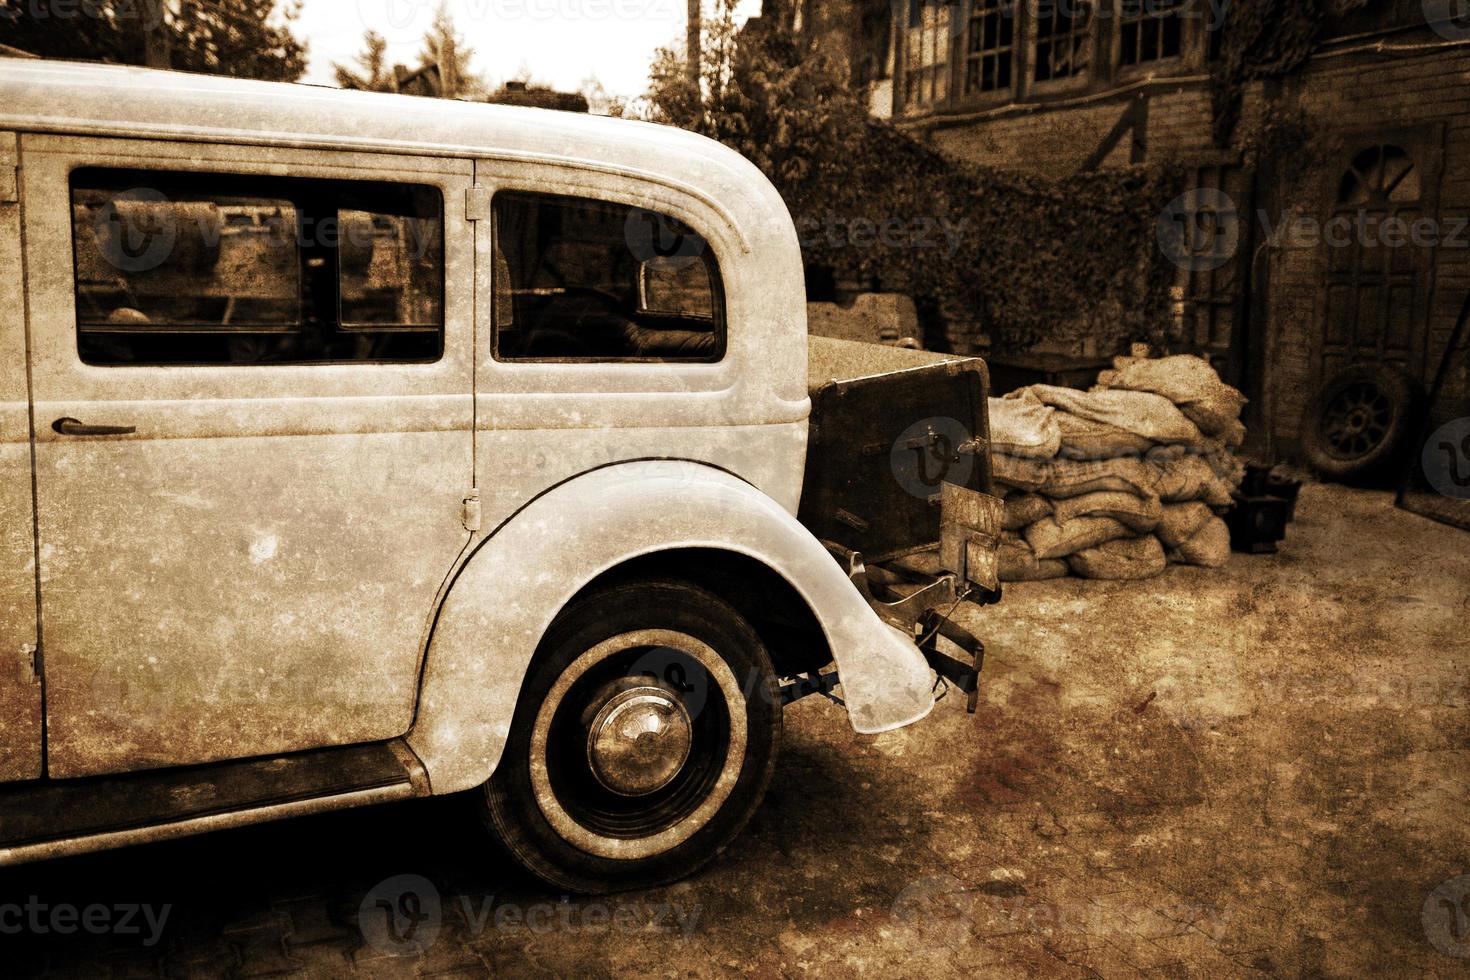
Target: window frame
(1188,19)
(937,38)
(261,185)
(1017,13)
(500,265)
(1088,48)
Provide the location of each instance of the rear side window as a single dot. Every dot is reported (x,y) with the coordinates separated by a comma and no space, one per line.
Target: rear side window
(585,280)
(180,268)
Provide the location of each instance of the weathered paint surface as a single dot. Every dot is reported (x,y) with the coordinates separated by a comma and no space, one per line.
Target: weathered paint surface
(20,690)
(252,572)
(502,602)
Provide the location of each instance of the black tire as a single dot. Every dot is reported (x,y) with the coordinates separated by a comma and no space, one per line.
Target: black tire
(562,819)
(1361,422)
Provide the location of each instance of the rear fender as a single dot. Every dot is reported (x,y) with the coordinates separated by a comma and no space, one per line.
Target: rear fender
(527,570)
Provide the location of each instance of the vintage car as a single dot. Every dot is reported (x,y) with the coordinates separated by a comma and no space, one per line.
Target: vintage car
(360,447)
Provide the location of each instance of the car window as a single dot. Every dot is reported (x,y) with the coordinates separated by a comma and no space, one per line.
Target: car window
(587,280)
(179,268)
(676,287)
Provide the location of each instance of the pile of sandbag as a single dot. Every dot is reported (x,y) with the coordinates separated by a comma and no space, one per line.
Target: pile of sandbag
(1116,482)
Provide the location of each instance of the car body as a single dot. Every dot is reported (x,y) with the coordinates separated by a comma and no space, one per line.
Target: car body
(271,496)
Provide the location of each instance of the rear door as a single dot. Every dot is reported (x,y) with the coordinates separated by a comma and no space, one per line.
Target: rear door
(253,413)
(20,686)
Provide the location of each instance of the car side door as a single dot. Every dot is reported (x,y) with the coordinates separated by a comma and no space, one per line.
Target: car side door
(253,414)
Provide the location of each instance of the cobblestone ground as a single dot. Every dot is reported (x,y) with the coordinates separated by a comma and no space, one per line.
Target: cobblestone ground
(1256,770)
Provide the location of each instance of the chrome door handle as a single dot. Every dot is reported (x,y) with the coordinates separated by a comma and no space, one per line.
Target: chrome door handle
(71,427)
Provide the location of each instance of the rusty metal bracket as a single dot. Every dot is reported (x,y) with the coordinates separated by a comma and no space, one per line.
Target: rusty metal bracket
(807,684)
(895,609)
(964,676)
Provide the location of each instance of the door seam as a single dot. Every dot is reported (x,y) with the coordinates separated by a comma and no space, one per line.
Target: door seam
(25,294)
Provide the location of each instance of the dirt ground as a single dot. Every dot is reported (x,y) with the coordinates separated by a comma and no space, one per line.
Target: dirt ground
(1256,770)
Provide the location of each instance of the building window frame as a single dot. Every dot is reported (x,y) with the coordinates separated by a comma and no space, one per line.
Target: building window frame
(991,47)
(1045,35)
(1132,32)
(927,28)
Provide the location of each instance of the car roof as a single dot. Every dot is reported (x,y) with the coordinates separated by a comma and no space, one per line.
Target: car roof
(110,100)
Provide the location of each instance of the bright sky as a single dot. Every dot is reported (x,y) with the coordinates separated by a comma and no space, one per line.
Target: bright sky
(561,42)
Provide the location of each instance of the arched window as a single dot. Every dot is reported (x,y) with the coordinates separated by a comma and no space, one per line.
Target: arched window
(1380,176)
(1376,261)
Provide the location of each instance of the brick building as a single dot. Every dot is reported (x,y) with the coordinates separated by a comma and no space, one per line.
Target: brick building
(1380,102)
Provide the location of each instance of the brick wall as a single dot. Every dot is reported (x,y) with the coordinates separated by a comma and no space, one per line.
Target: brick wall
(1349,101)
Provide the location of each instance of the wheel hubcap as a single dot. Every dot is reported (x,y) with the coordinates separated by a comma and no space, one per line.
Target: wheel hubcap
(639,740)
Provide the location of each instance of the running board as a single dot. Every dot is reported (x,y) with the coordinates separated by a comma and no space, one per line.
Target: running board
(56,818)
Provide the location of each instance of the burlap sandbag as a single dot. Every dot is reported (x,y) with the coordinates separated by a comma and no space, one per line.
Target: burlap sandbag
(1191,384)
(1018,563)
(1139,514)
(1190,477)
(1025,509)
(1209,547)
(1086,439)
(1023,427)
(1230,437)
(1063,478)
(1049,539)
(1019,472)
(1125,559)
(1141,412)
(1218,414)
(1182,521)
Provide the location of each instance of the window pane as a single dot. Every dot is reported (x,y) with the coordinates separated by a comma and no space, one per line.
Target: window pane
(1061,39)
(389,265)
(178,268)
(926,52)
(677,287)
(590,280)
(144,260)
(1151,31)
(988,44)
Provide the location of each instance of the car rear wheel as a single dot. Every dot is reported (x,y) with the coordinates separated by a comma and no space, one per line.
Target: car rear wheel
(645,736)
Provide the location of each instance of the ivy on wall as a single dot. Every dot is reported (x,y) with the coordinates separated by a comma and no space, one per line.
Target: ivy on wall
(1263,39)
(1031,260)
(1024,259)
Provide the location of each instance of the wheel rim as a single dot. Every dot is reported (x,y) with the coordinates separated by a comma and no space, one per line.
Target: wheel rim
(639,740)
(628,760)
(1357,420)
